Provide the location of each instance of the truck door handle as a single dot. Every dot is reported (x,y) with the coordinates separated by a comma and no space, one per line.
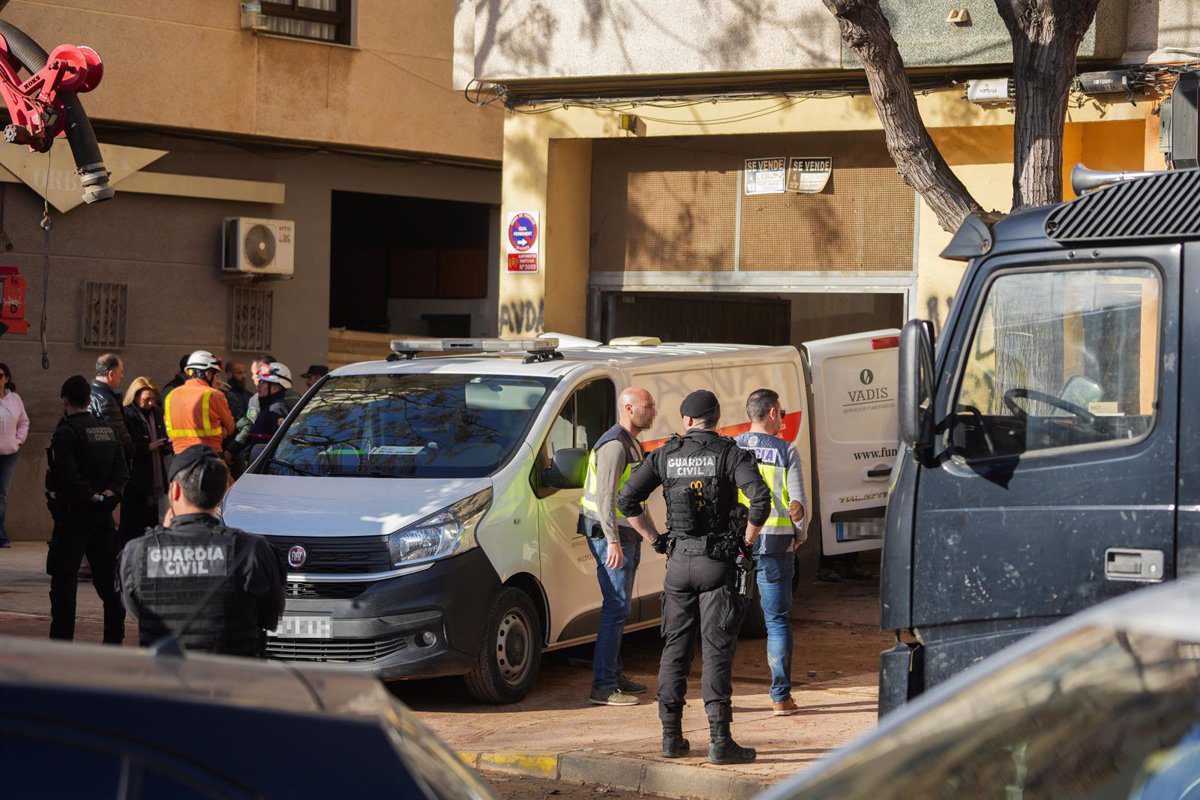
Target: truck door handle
(1122,564)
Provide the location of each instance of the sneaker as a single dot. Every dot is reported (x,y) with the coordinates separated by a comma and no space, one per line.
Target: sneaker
(611,697)
(630,687)
(785,707)
(829,575)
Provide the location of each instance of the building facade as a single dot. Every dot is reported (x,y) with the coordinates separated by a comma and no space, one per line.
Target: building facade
(655,145)
(338,116)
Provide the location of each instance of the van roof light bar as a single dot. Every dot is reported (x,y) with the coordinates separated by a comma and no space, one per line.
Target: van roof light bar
(538,349)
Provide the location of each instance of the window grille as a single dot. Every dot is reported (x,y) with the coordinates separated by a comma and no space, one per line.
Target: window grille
(320,20)
(252,319)
(105,315)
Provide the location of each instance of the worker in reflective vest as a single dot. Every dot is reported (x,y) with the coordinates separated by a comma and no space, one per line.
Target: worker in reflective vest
(615,545)
(783,532)
(196,413)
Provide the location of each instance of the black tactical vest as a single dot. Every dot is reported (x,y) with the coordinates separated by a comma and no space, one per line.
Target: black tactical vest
(175,568)
(697,484)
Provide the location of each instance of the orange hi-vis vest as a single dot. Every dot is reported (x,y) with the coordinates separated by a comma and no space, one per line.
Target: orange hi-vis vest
(196,413)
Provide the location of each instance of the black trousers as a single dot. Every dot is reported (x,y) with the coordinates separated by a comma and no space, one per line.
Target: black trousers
(698,593)
(79,532)
(138,512)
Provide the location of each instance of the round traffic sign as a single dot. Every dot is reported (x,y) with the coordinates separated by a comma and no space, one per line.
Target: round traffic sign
(522,232)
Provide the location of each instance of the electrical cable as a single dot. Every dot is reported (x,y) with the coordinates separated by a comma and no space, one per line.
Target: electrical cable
(47,225)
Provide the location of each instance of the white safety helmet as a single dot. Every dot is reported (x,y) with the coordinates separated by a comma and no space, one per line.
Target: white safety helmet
(275,372)
(202,361)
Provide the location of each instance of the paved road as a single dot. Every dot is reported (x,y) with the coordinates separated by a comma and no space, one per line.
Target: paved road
(521,787)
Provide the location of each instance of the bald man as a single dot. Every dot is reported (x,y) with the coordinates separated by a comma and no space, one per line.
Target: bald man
(616,546)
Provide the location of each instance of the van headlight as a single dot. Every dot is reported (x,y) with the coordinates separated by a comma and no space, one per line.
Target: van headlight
(449,531)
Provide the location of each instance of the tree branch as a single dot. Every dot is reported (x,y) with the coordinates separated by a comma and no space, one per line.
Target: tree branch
(866,31)
(1046,35)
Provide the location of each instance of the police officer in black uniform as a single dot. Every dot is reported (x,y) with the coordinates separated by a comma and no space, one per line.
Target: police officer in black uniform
(217,589)
(701,473)
(85,477)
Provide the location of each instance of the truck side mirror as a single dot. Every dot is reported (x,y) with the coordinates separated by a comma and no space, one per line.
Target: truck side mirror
(566,470)
(916,384)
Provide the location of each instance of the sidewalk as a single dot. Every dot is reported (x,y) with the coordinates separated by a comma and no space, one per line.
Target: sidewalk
(556,733)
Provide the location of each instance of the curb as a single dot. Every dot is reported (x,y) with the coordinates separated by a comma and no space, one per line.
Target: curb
(685,781)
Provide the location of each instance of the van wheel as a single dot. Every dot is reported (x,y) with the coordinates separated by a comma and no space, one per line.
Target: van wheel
(754,624)
(511,653)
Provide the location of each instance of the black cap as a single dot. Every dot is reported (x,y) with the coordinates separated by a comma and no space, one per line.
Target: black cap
(189,458)
(315,371)
(73,385)
(700,404)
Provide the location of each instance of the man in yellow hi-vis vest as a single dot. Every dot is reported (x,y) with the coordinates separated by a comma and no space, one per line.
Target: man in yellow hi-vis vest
(779,465)
(616,546)
(196,413)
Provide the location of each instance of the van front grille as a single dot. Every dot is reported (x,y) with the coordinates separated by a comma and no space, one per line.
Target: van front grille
(343,651)
(342,555)
(341,590)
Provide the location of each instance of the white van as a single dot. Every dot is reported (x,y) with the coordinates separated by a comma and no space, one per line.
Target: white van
(855,435)
(427,507)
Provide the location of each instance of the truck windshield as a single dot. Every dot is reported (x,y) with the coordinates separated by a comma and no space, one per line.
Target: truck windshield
(409,426)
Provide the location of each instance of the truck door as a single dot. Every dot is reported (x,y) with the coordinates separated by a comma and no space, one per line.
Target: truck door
(855,430)
(1056,483)
(568,568)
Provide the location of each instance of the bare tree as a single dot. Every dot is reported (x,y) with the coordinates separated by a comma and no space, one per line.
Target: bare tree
(1046,35)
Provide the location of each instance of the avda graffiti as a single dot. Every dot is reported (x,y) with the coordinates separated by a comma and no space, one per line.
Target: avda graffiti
(522,317)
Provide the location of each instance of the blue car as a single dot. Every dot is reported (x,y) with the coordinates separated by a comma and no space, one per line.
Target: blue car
(85,721)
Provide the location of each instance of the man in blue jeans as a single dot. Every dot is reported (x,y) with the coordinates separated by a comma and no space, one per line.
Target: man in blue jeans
(779,465)
(616,546)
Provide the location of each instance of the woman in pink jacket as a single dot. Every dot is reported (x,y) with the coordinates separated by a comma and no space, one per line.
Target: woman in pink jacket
(14,427)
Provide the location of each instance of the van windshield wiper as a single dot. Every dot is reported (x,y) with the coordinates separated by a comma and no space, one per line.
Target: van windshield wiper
(294,467)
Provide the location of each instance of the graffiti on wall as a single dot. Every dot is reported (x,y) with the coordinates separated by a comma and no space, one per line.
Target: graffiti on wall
(522,317)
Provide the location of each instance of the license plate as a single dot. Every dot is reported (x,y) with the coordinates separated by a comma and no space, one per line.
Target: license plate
(297,627)
(857,531)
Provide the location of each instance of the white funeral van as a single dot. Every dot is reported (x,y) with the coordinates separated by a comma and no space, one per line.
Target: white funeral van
(426,507)
(855,435)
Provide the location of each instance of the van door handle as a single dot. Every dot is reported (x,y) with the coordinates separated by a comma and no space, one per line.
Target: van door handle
(879,472)
(1122,564)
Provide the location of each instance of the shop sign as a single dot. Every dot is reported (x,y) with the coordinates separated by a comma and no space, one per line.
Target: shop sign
(809,175)
(765,175)
(522,241)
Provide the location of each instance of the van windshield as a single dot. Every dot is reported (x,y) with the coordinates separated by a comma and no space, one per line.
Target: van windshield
(410,426)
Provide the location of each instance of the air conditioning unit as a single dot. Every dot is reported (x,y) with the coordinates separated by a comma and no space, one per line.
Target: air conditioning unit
(258,247)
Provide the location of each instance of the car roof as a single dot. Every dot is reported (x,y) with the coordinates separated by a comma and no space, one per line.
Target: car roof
(572,358)
(197,677)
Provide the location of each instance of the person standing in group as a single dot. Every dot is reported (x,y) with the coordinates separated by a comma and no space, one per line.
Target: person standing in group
(178,379)
(779,465)
(236,391)
(148,473)
(313,374)
(217,589)
(85,478)
(701,474)
(106,404)
(616,546)
(275,401)
(197,413)
(14,428)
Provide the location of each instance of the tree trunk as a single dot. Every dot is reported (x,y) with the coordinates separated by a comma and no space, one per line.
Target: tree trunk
(921,165)
(1045,36)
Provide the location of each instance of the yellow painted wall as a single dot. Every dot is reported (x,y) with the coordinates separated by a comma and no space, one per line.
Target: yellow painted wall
(187,64)
(545,170)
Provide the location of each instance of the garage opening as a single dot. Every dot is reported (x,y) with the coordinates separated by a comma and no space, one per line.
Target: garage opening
(746,318)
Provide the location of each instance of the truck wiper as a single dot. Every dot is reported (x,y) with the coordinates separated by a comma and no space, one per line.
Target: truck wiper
(293,467)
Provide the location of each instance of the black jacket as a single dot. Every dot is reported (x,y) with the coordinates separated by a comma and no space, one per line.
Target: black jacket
(141,471)
(165,575)
(85,459)
(105,405)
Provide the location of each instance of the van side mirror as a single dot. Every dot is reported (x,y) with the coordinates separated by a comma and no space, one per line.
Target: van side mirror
(567,468)
(916,384)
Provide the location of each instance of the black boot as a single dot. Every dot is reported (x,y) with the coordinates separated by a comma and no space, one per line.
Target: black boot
(674,745)
(722,749)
